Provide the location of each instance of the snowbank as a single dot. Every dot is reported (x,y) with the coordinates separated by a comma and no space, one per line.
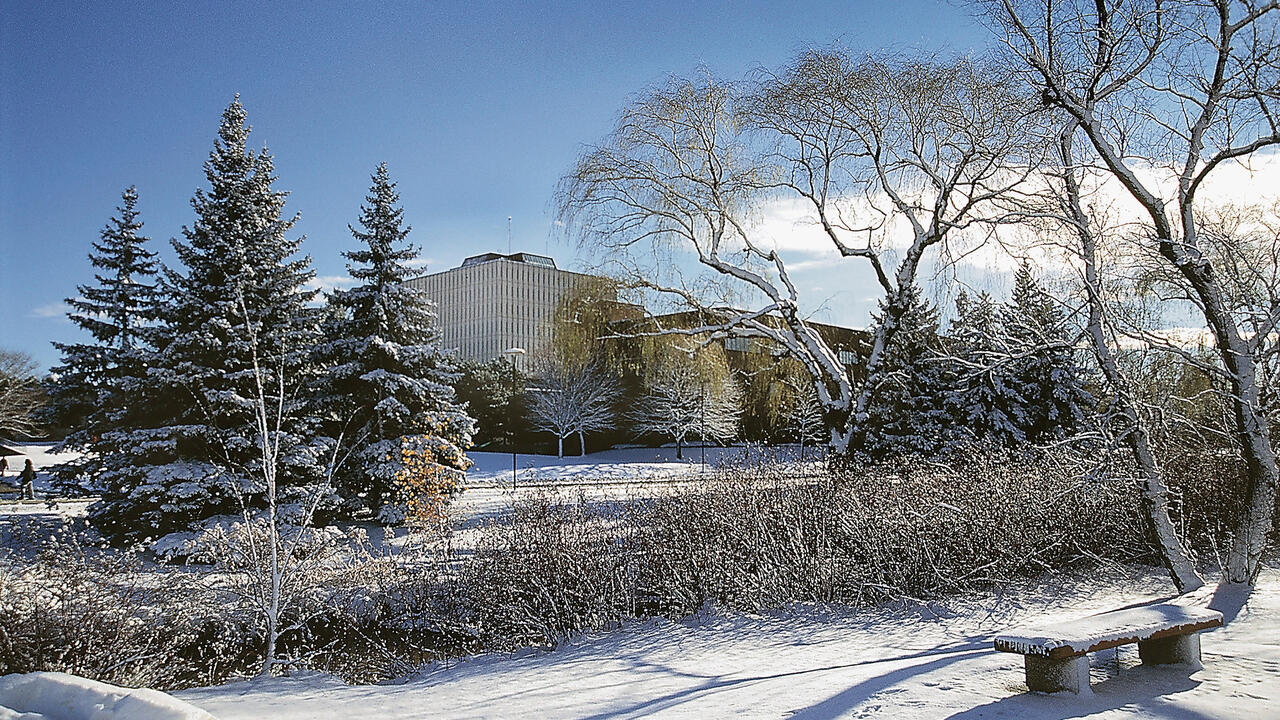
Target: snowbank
(58,696)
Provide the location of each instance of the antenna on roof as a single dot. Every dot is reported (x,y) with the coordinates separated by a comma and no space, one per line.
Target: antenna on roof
(508,234)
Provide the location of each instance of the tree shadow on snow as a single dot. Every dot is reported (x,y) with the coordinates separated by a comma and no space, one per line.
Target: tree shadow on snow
(849,698)
(1229,599)
(1139,691)
(832,707)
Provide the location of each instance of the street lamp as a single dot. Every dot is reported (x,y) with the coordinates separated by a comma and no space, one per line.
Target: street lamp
(511,354)
(703,431)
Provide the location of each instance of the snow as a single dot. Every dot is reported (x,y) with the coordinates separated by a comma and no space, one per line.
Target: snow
(1079,636)
(622,464)
(42,457)
(494,468)
(933,661)
(58,696)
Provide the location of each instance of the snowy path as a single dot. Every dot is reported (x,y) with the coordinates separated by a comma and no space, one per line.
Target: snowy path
(896,664)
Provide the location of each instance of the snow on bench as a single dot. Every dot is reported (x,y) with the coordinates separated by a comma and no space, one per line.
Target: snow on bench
(1056,656)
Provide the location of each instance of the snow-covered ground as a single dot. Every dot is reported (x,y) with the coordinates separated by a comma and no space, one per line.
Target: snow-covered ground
(41,458)
(920,662)
(492,468)
(58,696)
(622,464)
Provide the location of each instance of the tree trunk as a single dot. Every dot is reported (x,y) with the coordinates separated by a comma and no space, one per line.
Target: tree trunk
(582,444)
(560,450)
(1251,531)
(1155,495)
(273,602)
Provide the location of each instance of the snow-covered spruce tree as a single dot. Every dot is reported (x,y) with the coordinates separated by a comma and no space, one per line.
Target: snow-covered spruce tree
(984,402)
(689,399)
(908,413)
(388,378)
(96,390)
(1044,371)
(196,454)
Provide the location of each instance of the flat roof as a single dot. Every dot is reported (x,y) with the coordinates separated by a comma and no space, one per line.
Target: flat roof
(520,257)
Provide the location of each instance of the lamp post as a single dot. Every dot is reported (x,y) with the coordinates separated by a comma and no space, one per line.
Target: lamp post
(511,354)
(703,430)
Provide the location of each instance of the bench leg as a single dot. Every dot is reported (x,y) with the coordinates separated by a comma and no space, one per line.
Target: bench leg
(1045,675)
(1183,649)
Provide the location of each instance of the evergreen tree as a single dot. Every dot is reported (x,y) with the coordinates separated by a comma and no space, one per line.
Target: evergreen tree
(388,378)
(95,389)
(985,401)
(237,302)
(908,413)
(1045,372)
(494,393)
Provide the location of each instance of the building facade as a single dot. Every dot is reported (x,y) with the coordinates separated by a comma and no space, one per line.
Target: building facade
(494,302)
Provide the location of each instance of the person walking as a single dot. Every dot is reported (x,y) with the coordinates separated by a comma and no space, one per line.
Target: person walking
(4,465)
(28,478)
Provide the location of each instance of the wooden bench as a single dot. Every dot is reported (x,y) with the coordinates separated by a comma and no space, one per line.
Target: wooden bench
(1056,656)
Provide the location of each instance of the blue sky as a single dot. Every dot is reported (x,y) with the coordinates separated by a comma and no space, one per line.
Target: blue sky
(477,107)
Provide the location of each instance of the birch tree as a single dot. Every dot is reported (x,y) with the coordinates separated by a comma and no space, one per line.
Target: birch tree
(1088,228)
(1165,95)
(804,417)
(889,159)
(276,557)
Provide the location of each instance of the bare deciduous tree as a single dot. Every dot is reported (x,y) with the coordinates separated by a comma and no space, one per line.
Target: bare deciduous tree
(887,160)
(1087,227)
(275,557)
(683,400)
(20,395)
(573,398)
(804,416)
(1165,91)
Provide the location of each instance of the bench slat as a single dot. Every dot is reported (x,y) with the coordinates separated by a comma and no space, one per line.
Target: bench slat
(1107,630)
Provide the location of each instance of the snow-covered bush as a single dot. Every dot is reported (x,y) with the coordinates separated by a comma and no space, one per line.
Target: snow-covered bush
(901,529)
(554,567)
(756,538)
(68,606)
(1208,487)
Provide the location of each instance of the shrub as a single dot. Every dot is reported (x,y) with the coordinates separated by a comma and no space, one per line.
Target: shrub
(554,566)
(1207,485)
(748,538)
(905,528)
(69,606)
(756,538)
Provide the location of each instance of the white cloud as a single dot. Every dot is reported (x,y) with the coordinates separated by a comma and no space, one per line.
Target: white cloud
(51,310)
(790,226)
(329,283)
(844,290)
(420,262)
